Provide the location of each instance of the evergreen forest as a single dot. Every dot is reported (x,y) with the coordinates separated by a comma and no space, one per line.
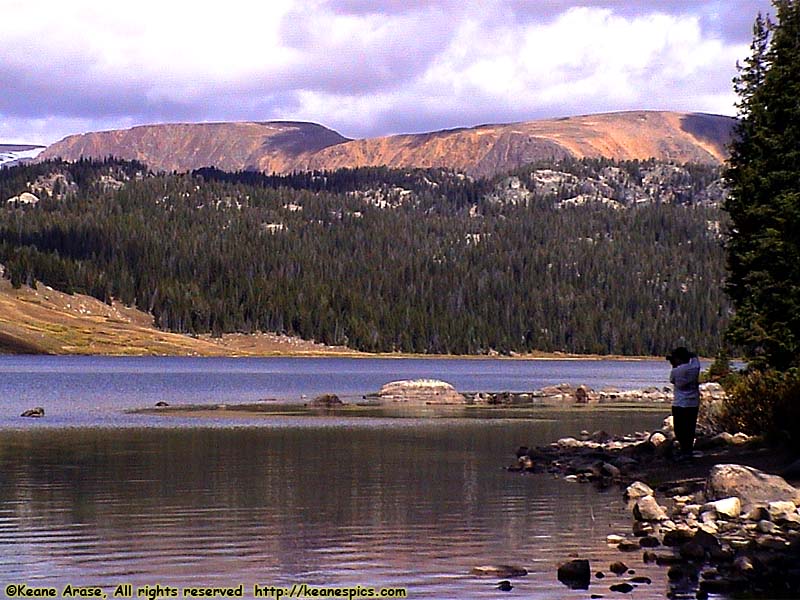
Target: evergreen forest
(580,256)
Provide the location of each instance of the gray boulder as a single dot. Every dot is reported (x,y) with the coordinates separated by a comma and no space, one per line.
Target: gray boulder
(729,508)
(420,392)
(647,509)
(499,571)
(34,412)
(750,485)
(638,490)
(326,401)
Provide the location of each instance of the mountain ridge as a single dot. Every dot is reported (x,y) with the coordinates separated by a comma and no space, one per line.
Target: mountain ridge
(483,150)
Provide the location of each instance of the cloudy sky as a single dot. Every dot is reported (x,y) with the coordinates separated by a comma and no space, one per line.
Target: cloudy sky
(362,67)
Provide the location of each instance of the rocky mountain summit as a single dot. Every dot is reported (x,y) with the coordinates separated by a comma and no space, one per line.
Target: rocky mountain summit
(485,150)
(275,146)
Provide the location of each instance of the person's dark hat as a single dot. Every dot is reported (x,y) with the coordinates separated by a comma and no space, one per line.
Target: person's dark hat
(680,355)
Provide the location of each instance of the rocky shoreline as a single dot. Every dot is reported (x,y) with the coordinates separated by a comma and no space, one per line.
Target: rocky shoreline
(715,525)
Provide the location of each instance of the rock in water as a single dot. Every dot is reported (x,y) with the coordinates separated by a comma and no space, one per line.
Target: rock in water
(618,568)
(575,574)
(750,485)
(420,391)
(638,490)
(647,509)
(34,412)
(499,571)
(327,401)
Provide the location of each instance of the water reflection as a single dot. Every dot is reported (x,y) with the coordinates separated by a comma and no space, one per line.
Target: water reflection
(380,505)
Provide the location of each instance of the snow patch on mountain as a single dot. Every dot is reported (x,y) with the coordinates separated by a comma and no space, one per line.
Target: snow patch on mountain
(14,154)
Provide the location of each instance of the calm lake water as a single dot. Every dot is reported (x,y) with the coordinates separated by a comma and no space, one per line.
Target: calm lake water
(91,495)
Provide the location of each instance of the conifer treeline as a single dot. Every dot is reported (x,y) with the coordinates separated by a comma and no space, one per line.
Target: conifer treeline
(350,258)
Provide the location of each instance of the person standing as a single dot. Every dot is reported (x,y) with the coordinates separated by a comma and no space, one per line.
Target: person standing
(685,377)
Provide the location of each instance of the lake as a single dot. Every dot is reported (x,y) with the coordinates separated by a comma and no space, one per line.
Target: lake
(92,495)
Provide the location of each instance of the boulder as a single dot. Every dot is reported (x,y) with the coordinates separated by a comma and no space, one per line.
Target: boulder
(712,408)
(24,198)
(721,439)
(765,526)
(729,508)
(601,437)
(781,510)
(563,390)
(758,513)
(692,551)
(575,574)
(740,438)
(668,426)
(569,442)
(706,541)
(582,394)
(640,528)
(628,546)
(34,412)
(649,541)
(420,391)
(327,401)
(750,485)
(638,490)
(499,571)
(618,568)
(647,509)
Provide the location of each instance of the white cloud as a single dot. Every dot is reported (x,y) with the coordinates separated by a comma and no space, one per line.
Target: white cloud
(364,68)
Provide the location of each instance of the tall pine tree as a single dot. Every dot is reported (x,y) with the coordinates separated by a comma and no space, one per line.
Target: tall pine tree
(763,248)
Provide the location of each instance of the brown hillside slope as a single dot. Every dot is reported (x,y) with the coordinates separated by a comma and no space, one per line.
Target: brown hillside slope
(45,321)
(272,146)
(482,150)
(489,149)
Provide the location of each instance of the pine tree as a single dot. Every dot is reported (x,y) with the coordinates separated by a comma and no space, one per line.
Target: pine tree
(763,249)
